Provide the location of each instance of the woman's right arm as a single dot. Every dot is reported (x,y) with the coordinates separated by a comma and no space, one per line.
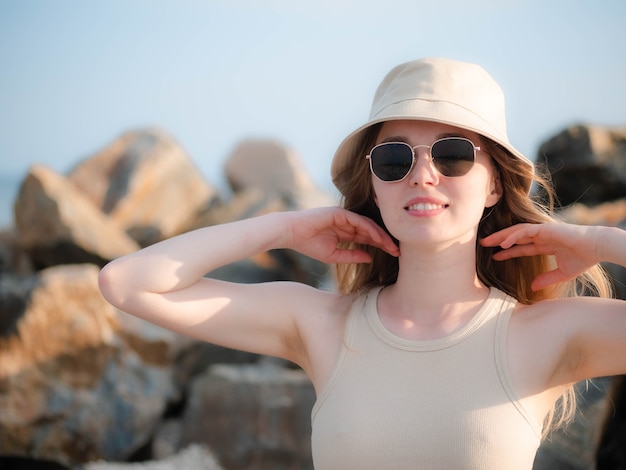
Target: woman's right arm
(165,284)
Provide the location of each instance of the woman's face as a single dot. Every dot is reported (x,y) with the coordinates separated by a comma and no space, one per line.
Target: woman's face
(427,209)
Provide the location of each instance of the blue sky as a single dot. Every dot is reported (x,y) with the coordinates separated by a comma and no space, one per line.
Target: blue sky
(75,74)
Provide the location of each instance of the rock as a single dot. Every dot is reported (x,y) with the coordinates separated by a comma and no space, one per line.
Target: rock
(167,439)
(71,388)
(276,170)
(267,176)
(246,203)
(194,457)
(14,297)
(57,224)
(199,355)
(146,183)
(14,259)
(611,213)
(587,164)
(254,417)
(27,463)
(611,452)
(573,447)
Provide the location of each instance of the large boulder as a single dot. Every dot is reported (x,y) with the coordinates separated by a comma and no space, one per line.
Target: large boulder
(72,389)
(275,169)
(146,183)
(57,224)
(255,417)
(587,163)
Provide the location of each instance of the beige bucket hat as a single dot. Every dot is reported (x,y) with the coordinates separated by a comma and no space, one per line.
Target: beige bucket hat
(440,90)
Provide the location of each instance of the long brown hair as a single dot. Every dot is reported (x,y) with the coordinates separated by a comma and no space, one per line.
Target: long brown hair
(512,276)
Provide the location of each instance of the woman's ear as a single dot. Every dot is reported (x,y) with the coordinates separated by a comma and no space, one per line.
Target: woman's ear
(495,190)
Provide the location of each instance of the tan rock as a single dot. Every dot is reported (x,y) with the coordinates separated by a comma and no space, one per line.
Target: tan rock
(71,388)
(146,183)
(57,224)
(276,169)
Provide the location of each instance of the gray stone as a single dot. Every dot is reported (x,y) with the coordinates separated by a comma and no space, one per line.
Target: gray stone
(254,417)
(587,163)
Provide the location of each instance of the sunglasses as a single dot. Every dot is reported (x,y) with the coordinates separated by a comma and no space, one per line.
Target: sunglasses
(393,161)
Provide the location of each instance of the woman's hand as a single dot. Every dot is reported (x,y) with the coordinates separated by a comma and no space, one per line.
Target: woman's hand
(318,233)
(575,248)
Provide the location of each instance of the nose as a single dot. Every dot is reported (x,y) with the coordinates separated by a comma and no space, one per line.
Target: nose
(423,171)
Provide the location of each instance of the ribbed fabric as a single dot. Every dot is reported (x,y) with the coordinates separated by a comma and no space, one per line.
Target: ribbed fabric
(447,404)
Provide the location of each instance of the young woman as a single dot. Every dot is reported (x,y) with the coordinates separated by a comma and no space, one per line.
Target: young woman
(457,323)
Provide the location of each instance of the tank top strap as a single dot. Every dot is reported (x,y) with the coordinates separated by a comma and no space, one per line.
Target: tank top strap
(502,364)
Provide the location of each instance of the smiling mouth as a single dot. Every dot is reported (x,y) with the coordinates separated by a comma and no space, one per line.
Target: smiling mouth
(425,206)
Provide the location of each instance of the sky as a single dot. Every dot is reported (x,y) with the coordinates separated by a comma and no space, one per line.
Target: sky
(76,74)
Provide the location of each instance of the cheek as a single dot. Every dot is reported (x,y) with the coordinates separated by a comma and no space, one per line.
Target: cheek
(381,192)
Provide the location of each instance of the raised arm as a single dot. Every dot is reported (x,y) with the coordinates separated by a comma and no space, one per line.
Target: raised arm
(164,283)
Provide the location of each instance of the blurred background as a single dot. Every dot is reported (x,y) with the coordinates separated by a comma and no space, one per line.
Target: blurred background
(74,75)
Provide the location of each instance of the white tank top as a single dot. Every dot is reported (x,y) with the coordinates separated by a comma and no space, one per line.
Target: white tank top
(446,404)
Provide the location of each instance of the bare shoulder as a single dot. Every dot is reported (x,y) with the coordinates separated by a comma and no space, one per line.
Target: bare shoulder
(568,311)
(320,314)
(321,325)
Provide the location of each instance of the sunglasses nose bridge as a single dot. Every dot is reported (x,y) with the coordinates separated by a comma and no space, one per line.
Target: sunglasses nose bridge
(427,154)
(428,159)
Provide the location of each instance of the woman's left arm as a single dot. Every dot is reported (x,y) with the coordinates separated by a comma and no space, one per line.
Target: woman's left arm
(593,329)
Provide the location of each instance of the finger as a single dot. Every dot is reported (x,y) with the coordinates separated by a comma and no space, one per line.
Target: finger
(367,232)
(518,251)
(506,237)
(386,244)
(522,236)
(547,279)
(350,256)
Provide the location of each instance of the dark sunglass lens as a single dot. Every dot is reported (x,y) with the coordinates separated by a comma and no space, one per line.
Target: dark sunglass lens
(391,161)
(453,157)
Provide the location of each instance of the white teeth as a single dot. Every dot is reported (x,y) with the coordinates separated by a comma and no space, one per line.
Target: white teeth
(425,206)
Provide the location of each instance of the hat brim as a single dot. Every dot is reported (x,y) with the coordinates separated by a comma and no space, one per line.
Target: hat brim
(423,110)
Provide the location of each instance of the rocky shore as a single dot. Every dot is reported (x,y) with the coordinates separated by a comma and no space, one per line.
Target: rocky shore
(85,386)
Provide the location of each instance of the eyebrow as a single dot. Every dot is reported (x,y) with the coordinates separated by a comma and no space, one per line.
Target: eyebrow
(401,138)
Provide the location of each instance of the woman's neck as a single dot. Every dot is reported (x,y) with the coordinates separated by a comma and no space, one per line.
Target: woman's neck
(436,284)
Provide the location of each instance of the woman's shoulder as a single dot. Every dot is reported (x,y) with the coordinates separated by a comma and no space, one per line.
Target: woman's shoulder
(330,298)
(564,306)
